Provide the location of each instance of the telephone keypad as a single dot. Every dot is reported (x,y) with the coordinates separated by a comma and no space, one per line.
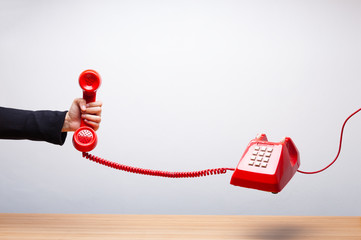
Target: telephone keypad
(260,156)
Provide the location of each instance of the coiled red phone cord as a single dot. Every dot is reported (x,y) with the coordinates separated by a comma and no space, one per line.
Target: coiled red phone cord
(339,147)
(158,173)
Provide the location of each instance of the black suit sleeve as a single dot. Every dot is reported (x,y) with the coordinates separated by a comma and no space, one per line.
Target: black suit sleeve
(32,125)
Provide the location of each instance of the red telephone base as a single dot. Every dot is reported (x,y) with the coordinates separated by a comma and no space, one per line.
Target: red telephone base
(267,166)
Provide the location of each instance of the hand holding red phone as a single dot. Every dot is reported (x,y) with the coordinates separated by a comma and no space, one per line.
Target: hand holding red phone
(79,109)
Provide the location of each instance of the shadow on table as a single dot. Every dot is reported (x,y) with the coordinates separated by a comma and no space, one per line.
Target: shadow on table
(280,233)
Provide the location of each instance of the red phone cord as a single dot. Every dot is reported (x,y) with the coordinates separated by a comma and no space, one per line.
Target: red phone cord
(158,173)
(339,148)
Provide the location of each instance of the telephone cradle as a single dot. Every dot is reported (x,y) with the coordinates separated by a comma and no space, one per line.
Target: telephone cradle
(267,166)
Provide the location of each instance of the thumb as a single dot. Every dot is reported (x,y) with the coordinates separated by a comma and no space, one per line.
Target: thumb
(81,104)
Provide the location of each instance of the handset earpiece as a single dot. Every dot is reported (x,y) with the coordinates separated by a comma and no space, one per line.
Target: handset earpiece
(85,138)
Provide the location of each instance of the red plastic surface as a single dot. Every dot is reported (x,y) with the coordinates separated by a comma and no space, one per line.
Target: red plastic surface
(85,138)
(89,80)
(277,163)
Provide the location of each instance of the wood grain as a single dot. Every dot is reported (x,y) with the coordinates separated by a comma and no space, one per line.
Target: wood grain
(98,226)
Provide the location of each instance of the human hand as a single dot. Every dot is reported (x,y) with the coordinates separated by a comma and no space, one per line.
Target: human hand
(90,113)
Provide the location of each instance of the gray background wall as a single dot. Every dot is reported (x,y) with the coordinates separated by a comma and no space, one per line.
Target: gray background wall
(186,86)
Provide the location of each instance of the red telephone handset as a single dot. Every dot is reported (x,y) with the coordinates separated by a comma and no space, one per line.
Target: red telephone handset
(267,166)
(85,138)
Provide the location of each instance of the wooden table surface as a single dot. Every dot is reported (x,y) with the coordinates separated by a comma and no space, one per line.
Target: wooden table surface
(104,227)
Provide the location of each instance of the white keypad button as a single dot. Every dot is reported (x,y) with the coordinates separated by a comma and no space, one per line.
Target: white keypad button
(257,164)
(253,158)
(269,149)
(267,154)
(263,149)
(264,165)
(266,160)
(251,163)
(256,148)
(255,153)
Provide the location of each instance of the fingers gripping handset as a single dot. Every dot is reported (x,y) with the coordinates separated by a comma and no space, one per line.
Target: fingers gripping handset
(85,138)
